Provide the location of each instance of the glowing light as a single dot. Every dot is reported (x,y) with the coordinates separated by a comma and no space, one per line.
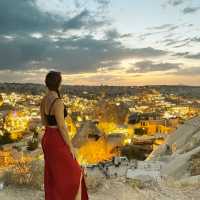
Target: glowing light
(16,122)
(95,151)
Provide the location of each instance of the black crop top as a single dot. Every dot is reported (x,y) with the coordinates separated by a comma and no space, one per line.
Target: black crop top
(51,120)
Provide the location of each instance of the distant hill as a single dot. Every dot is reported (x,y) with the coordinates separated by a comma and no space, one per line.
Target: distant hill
(180,90)
(94,91)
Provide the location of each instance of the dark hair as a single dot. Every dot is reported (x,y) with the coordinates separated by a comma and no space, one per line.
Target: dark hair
(53,80)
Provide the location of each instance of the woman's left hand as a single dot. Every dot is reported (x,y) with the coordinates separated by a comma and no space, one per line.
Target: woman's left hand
(73,152)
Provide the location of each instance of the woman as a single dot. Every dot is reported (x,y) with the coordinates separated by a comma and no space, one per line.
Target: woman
(63,176)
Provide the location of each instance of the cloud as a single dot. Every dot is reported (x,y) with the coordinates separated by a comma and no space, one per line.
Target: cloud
(97,6)
(193,56)
(114,34)
(168,27)
(83,20)
(126,35)
(175,2)
(176,43)
(190,10)
(73,54)
(160,30)
(26,37)
(190,71)
(103,2)
(77,21)
(181,54)
(150,66)
(185,44)
(23,51)
(188,55)
(33,19)
(110,64)
(22,76)
(24,16)
(195,39)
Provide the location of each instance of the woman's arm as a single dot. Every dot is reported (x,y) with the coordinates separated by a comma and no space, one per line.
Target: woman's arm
(42,112)
(59,114)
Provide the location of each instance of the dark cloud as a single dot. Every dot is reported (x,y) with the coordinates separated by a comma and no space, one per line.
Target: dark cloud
(74,54)
(193,56)
(126,35)
(169,27)
(176,43)
(20,52)
(188,55)
(150,66)
(195,39)
(181,54)
(175,2)
(190,10)
(24,16)
(77,21)
(182,44)
(101,5)
(83,20)
(169,42)
(114,34)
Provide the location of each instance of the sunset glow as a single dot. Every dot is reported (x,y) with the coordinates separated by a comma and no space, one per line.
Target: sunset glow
(101,42)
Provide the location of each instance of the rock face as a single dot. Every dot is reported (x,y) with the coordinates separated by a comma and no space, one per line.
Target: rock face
(86,131)
(179,150)
(194,165)
(110,113)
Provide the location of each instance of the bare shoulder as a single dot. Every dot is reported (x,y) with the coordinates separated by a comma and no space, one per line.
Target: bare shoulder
(59,103)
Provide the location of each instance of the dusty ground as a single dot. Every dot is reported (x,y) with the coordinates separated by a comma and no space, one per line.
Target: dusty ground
(115,190)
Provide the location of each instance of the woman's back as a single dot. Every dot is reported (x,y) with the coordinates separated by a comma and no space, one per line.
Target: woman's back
(49,106)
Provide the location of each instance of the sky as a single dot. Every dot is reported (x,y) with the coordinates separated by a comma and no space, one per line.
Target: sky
(95,42)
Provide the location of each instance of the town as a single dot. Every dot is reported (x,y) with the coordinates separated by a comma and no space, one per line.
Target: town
(121,132)
(131,124)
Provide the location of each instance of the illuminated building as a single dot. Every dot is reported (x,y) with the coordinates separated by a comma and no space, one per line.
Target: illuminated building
(16,123)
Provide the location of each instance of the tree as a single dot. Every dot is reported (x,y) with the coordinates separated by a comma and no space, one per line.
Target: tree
(5,138)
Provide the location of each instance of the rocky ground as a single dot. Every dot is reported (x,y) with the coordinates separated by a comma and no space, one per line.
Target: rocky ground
(172,172)
(116,189)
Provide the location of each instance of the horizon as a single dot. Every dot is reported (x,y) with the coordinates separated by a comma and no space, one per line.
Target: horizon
(103,85)
(101,42)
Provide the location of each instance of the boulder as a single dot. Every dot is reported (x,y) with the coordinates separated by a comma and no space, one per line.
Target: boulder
(184,139)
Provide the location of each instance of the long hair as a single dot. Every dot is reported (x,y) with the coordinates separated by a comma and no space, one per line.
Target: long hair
(53,80)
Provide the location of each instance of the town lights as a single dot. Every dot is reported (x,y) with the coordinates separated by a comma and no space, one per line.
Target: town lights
(16,122)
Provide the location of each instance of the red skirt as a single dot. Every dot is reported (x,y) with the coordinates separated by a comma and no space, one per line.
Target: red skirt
(62,172)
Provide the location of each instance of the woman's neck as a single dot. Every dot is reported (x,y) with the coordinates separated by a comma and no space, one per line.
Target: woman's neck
(52,92)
